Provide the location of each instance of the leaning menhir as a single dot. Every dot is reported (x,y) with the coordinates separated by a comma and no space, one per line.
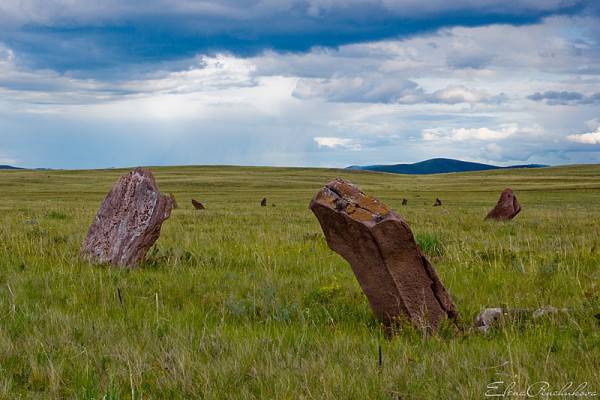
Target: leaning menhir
(128,222)
(398,280)
(507,207)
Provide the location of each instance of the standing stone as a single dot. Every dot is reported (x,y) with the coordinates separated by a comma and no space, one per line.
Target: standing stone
(404,202)
(437,203)
(506,208)
(174,200)
(128,222)
(197,205)
(397,279)
(263,202)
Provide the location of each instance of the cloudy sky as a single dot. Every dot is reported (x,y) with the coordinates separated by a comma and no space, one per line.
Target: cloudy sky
(299,82)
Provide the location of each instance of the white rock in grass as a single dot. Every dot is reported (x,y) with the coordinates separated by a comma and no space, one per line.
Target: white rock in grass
(487,318)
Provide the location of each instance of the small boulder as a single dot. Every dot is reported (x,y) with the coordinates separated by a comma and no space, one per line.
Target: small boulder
(487,318)
(547,310)
(404,202)
(437,203)
(263,202)
(490,317)
(506,208)
(128,222)
(197,205)
(398,280)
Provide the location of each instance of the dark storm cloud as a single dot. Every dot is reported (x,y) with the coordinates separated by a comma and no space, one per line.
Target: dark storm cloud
(76,36)
(565,98)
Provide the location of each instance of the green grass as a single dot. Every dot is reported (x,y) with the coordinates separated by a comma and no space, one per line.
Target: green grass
(243,301)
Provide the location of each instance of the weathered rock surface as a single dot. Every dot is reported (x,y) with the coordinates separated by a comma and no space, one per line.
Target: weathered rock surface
(437,203)
(197,205)
(263,202)
(398,280)
(128,222)
(506,208)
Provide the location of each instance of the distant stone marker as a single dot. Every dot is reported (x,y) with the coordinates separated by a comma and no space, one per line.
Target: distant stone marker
(396,277)
(437,203)
(197,205)
(128,222)
(506,208)
(263,202)
(174,200)
(404,202)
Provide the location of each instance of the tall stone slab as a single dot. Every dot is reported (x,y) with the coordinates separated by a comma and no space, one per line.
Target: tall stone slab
(128,222)
(396,277)
(197,205)
(507,207)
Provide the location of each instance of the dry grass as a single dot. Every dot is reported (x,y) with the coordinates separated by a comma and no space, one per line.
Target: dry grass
(243,301)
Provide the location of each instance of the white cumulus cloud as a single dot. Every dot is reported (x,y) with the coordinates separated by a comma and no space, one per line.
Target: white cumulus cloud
(7,160)
(462,134)
(586,138)
(461,94)
(337,142)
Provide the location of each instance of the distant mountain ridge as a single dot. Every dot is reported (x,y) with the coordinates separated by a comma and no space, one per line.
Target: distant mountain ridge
(8,167)
(437,166)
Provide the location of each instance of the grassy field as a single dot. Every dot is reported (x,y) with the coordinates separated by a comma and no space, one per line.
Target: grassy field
(243,301)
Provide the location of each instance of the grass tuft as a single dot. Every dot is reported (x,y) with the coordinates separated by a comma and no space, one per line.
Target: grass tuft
(57,215)
(430,244)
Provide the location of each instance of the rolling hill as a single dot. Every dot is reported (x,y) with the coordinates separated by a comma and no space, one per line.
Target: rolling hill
(437,166)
